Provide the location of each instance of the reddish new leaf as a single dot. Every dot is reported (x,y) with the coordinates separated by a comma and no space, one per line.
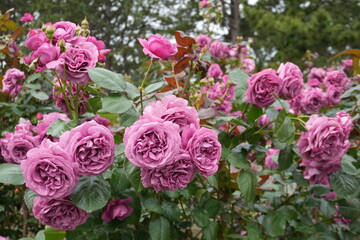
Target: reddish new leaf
(181,52)
(17,32)
(181,65)
(183,40)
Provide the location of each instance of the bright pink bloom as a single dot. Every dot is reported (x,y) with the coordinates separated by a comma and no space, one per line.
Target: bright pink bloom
(158,46)
(35,38)
(27,17)
(347,65)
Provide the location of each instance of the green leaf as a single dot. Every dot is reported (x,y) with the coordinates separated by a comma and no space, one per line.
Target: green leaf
(275,222)
(159,229)
(236,159)
(247,182)
(348,168)
(153,205)
(153,87)
(39,95)
(253,231)
(132,91)
(344,185)
(129,117)
(33,77)
(91,193)
(350,209)
(60,126)
(200,218)
(213,181)
(11,174)
(320,190)
(211,231)
(133,174)
(119,181)
(53,234)
(107,79)
(116,103)
(171,211)
(327,207)
(285,158)
(254,113)
(284,127)
(212,207)
(40,235)
(29,198)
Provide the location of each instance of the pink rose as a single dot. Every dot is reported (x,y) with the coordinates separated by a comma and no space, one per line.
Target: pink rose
(347,65)
(59,99)
(12,82)
(219,49)
(312,100)
(336,79)
(262,86)
(333,94)
(315,77)
(60,214)
(223,90)
(248,65)
(152,142)
(225,107)
(215,71)
(35,38)
(77,59)
(158,46)
(98,43)
(292,80)
(45,54)
(170,177)
(269,162)
(204,149)
(27,18)
(49,171)
(173,109)
(117,208)
(203,41)
(91,145)
(345,121)
(263,120)
(63,30)
(48,119)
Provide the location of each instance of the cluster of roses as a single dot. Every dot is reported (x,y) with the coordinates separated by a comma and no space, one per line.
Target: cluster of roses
(265,86)
(324,88)
(70,51)
(170,146)
(323,146)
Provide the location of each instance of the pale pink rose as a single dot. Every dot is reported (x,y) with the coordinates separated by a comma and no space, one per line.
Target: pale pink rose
(12,81)
(35,38)
(219,49)
(117,208)
(27,18)
(158,46)
(292,80)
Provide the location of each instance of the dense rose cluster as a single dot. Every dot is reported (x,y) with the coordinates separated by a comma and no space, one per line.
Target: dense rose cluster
(170,146)
(323,145)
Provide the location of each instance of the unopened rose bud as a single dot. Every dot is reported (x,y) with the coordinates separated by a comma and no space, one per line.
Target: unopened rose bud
(39,116)
(50,32)
(84,24)
(62,45)
(77,30)
(44,27)
(203,82)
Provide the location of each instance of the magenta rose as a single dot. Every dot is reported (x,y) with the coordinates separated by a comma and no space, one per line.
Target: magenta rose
(173,109)
(12,81)
(325,143)
(27,18)
(152,142)
(262,87)
(316,77)
(215,71)
(312,100)
(60,214)
(117,208)
(248,65)
(219,49)
(158,46)
(204,149)
(333,94)
(170,177)
(48,119)
(269,161)
(35,38)
(77,59)
(49,171)
(292,80)
(63,30)
(15,146)
(203,41)
(91,145)
(45,54)
(347,65)
(336,79)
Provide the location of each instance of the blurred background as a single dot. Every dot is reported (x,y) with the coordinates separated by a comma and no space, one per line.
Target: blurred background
(282,30)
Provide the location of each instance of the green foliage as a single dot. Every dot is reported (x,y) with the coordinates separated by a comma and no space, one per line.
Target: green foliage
(11,174)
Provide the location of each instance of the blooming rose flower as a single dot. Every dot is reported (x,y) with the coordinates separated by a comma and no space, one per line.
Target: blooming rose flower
(45,54)
(12,82)
(218,49)
(223,90)
(225,107)
(170,177)
(269,162)
(49,171)
(248,65)
(292,80)
(152,142)
(263,120)
(117,208)
(262,86)
(91,145)
(4,238)
(204,148)
(325,143)
(27,17)
(60,214)
(35,38)
(312,100)
(173,109)
(48,119)
(347,65)
(15,145)
(336,79)
(203,41)
(333,94)
(77,59)
(215,71)
(63,30)
(158,46)
(315,77)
